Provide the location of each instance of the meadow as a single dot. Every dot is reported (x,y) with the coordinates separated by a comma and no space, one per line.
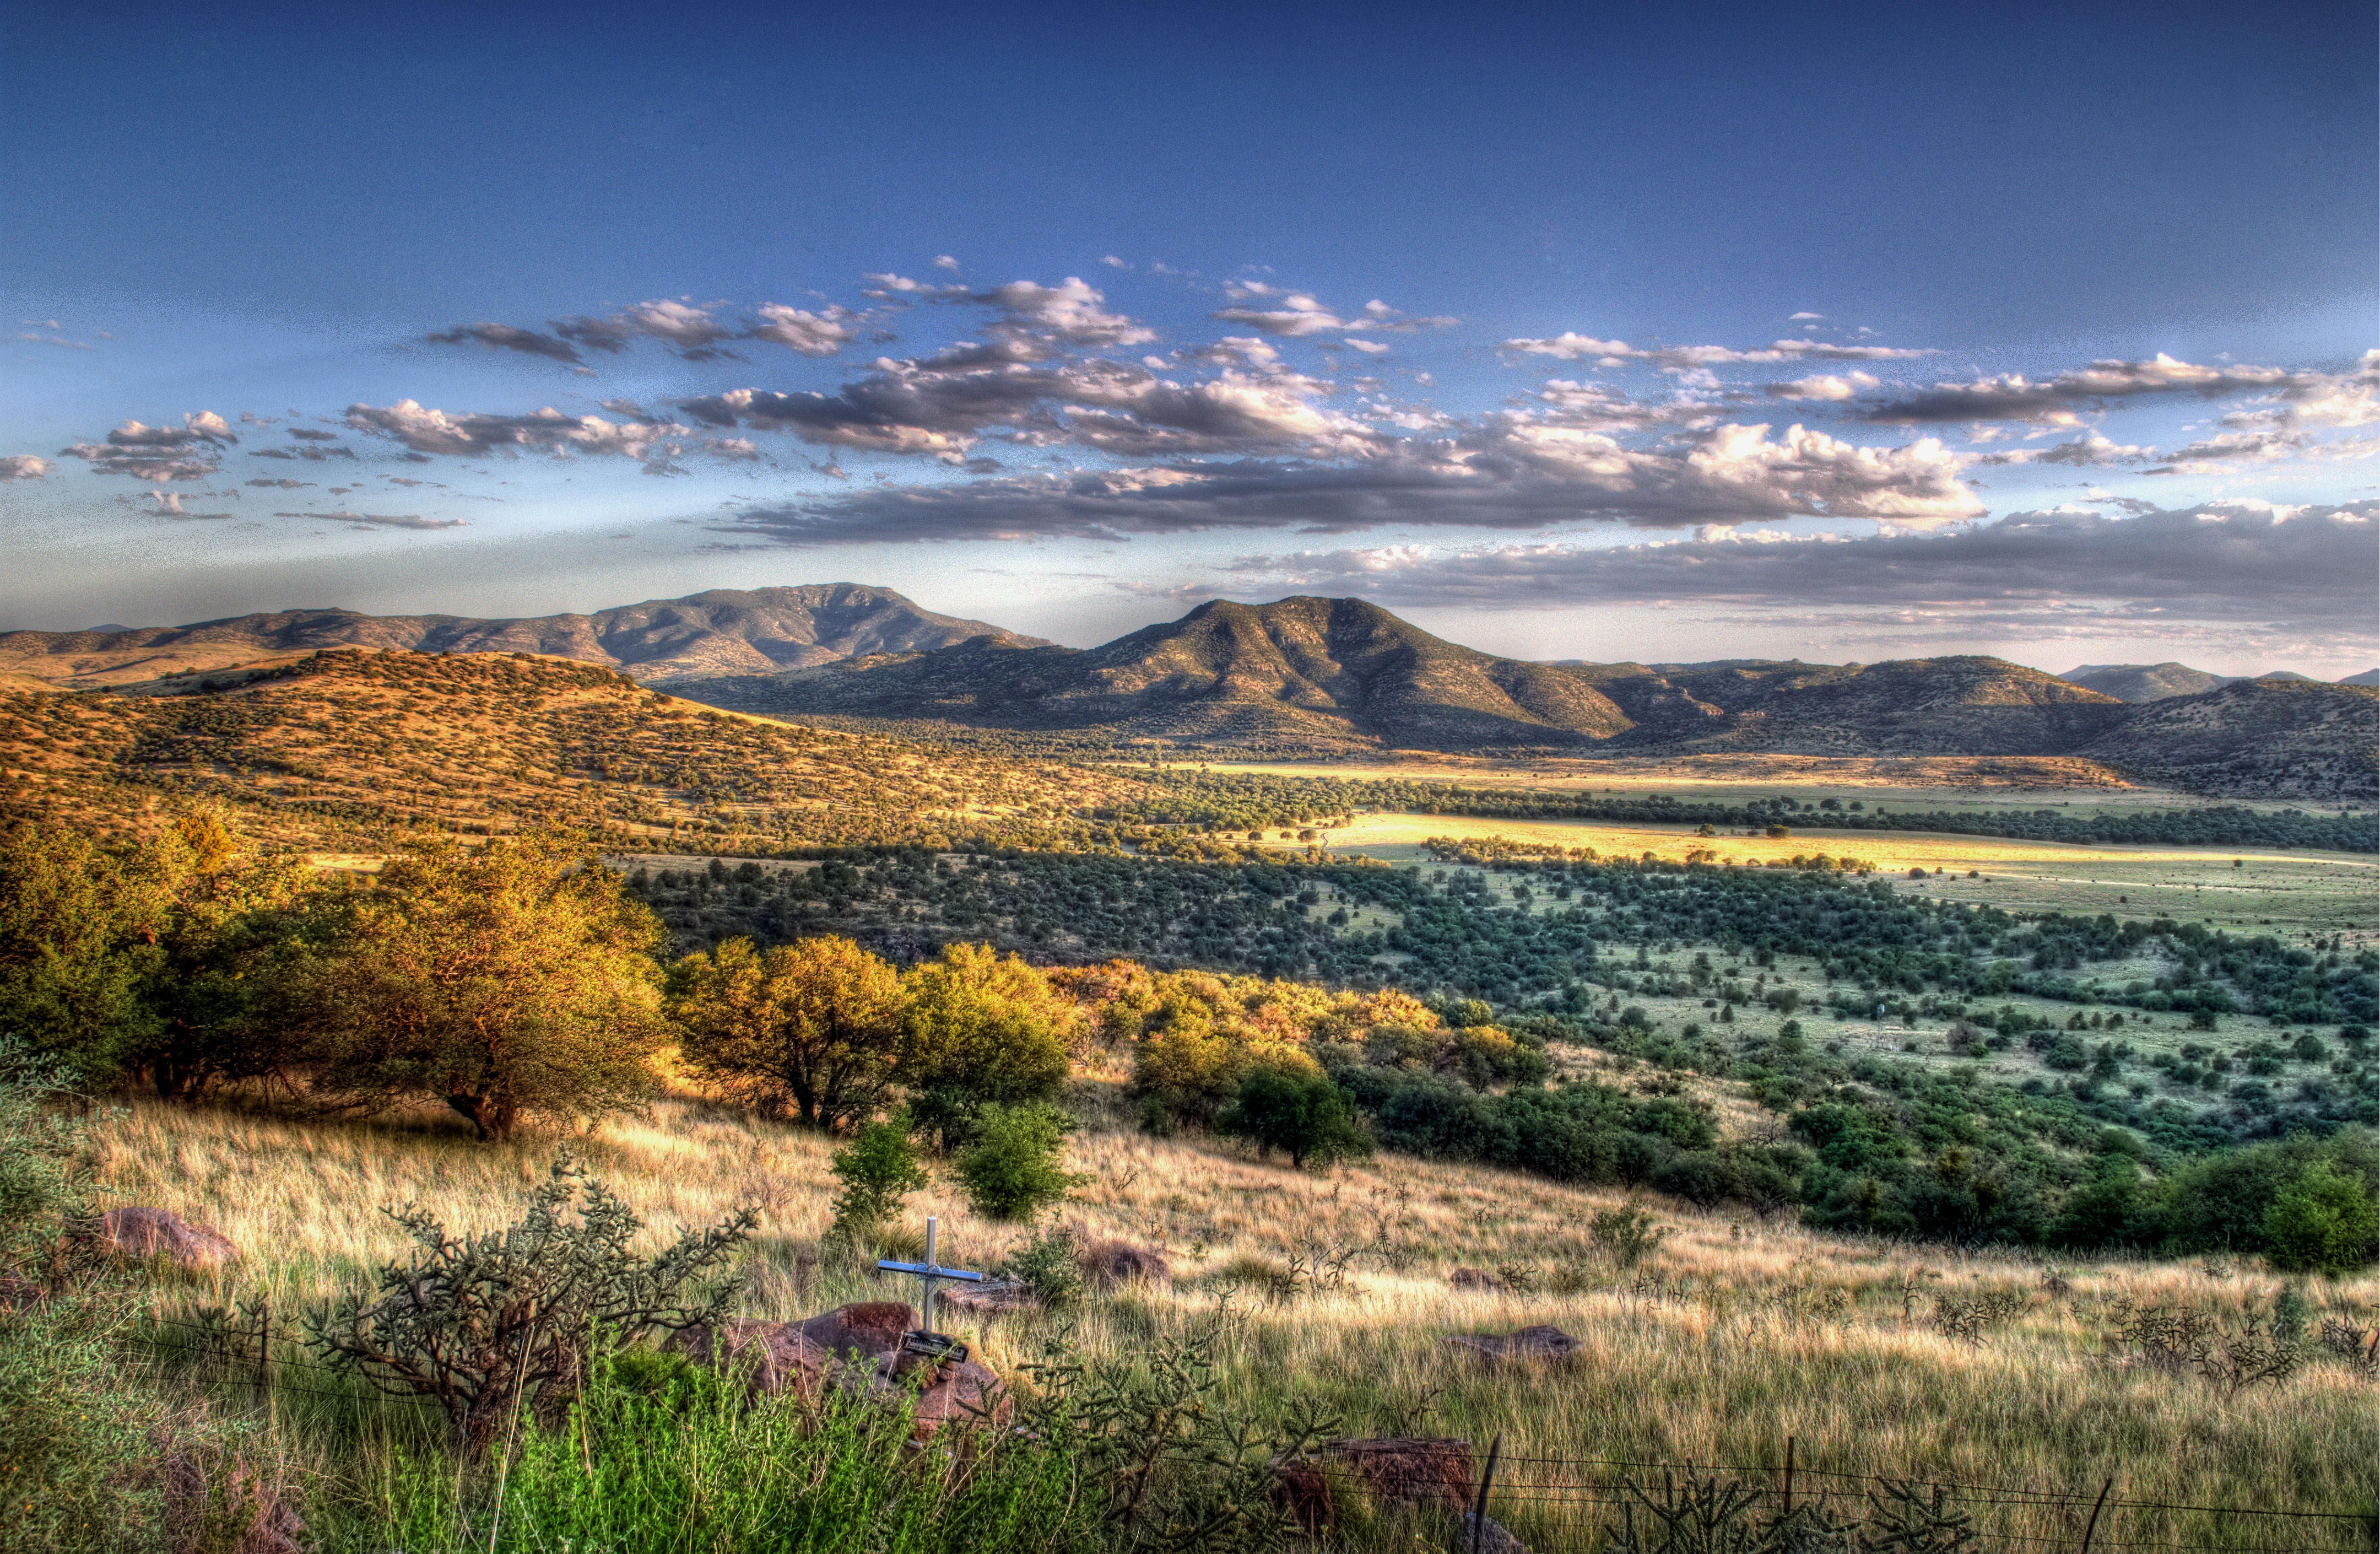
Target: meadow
(1734,1335)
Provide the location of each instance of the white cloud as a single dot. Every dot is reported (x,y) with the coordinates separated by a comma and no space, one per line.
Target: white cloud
(1070,311)
(189,452)
(24,467)
(434,431)
(823,333)
(2059,401)
(1568,347)
(1825,385)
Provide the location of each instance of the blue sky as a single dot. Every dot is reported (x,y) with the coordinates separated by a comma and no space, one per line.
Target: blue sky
(1834,331)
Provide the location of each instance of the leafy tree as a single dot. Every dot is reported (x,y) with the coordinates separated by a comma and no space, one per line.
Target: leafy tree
(233,931)
(1010,1171)
(979,1030)
(481,1324)
(2323,1220)
(78,930)
(512,980)
(878,1169)
(811,1028)
(1308,1118)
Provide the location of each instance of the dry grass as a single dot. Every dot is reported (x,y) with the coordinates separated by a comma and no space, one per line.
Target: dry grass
(1727,1350)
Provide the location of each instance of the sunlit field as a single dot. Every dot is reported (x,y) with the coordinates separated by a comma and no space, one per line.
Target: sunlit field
(1734,1336)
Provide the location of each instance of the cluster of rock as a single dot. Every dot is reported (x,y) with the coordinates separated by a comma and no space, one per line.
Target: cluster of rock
(857,1348)
(1424,1474)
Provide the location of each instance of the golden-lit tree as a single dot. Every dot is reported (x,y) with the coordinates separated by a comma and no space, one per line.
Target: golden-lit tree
(809,1027)
(512,980)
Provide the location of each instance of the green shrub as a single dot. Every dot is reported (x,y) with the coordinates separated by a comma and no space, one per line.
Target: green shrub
(1011,1172)
(878,1169)
(2323,1220)
(1047,1265)
(1627,1234)
(1307,1118)
(482,1324)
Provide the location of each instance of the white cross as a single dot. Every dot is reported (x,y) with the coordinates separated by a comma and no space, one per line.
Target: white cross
(928,1273)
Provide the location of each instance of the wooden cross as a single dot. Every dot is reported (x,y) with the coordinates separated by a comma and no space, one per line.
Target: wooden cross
(929,1273)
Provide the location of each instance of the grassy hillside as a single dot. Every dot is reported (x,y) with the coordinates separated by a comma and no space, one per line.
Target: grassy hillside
(337,751)
(720,631)
(1735,1335)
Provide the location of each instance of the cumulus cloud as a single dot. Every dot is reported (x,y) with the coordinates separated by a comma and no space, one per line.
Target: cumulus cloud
(191,451)
(688,329)
(821,333)
(2058,401)
(2236,563)
(1825,385)
(24,467)
(1296,313)
(2306,400)
(1568,346)
(942,406)
(434,431)
(169,505)
(310,453)
(1508,473)
(505,337)
(1070,311)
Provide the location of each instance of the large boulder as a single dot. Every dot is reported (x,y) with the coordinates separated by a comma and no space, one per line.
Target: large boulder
(141,1233)
(1110,1263)
(867,1328)
(1477,1279)
(1396,1473)
(857,1347)
(993,1298)
(1537,1344)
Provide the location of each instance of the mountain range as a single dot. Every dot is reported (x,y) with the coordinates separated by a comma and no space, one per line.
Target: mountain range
(1343,674)
(1309,675)
(725,631)
(2154,682)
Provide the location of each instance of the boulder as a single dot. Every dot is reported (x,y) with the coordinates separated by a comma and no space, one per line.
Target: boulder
(1539,1344)
(1110,1263)
(780,1357)
(1474,1278)
(868,1329)
(854,1347)
(961,1392)
(1395,1472)
(141,1233)
(993,1297)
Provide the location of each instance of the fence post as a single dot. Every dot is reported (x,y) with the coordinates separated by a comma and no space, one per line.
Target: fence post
(264,1357)
(2093,1525)
(1486,1476)
(1788,1476)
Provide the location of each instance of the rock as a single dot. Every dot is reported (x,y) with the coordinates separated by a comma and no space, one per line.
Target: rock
(993,1297)
(869,1329)
(1110,1263)
(780,1358)
(1538,1343)
(223,1506)
(1473,1279)
(961,1393)
(139,1233)
(1491,1538)
(1398,1472)
(852,1347)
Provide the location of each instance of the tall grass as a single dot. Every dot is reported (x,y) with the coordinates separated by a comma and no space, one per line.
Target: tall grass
(1734,1337)
(691,1466)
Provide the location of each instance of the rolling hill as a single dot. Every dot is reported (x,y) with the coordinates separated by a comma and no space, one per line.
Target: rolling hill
(1344,674)
(1323,675)
(661,640)
(2144,682)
